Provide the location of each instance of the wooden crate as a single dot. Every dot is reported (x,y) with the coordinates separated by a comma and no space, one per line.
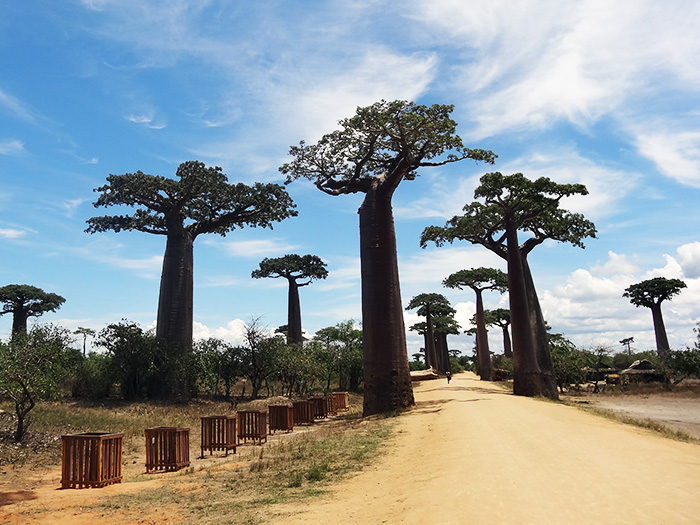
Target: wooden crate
(281,418)
(320,407)
(252,425)
(219,433)
(167,448)
(340,401)
(303,412)
(92,459)
(330,407)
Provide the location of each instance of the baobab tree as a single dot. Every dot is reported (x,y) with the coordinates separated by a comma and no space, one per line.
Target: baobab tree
(24,301)
(199,201)
(293,267)
(85,332)
(430,305)
(382,145)
(479,280)
(514,203)
(501,317)
(651,293)
(443,325)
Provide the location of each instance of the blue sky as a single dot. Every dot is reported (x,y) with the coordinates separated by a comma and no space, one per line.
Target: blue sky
(603,93)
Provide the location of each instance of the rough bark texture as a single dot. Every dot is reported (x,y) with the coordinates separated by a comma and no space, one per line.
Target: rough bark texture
(483,352)
(507,347)
(294,332)
(430,349)
(175,309)
(19,321)
(387,380)
(526,371)
(663,347)
(539,333)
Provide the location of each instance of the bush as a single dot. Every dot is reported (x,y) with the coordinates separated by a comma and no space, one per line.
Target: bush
(92,377)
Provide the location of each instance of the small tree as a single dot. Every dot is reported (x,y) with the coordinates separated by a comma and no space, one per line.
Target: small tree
(651,293)
(480,279)
(24,301)
(293,268)
(372,153)
(202,201)
(501,317)
(31,364)
(85,332)
(132,357)
(428,305)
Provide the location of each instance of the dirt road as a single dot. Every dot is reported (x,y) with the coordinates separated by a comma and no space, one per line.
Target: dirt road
(470,453)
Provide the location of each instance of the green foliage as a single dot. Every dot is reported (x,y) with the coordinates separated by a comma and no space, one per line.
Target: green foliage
(201,201)
(684,363)
(344,342)
(24,301)
(93,376)
(387,139)
(652,292)
(218,365)
(456,365)
(531,206)
(31,366)
(292,266)
(132,354)
(478,279)
(569,362)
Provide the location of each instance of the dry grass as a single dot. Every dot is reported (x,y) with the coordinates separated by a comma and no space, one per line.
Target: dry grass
(241,488)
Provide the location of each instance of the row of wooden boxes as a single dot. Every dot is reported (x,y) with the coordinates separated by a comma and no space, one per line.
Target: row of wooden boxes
(94,459)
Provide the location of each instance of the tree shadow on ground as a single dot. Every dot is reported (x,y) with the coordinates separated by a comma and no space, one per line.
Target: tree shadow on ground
(431,407)
(9,498)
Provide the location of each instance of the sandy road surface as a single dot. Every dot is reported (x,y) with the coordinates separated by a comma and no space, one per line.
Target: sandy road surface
(470,453)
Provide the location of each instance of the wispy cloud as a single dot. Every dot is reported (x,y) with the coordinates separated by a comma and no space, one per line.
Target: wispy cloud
(147,120)
(16,107)
(676,154)
(11,233)
(253,248)
(11,147)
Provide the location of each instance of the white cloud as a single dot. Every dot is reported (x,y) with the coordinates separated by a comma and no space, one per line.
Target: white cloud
(617,264)
(15,106)
(689,259)
(253,248)
(676,154)
(146,120)
(606,185)
(11,233)
(11,147)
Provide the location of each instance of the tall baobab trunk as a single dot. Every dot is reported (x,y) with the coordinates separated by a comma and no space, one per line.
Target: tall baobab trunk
(483,353)
(539,333)
(526,371)
(19,321)
(430,350)
(294,333)
(663,348)
(387,380)
(175,307)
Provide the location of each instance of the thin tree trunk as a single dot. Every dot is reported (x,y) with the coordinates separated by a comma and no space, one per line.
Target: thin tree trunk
(483,353)
(175,308)
(387,380)
(526,371)
(663,348)
(507,347)
(539,332)
(294,333)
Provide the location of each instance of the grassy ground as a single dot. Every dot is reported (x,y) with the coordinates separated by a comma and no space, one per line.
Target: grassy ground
(237,489)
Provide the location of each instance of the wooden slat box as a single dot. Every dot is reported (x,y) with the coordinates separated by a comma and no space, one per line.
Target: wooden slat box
(167,448)
(219,433)
(330,407)
(340,401)
(320,407)
(252,425)
(92,459)
(281,418)
(303,412)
